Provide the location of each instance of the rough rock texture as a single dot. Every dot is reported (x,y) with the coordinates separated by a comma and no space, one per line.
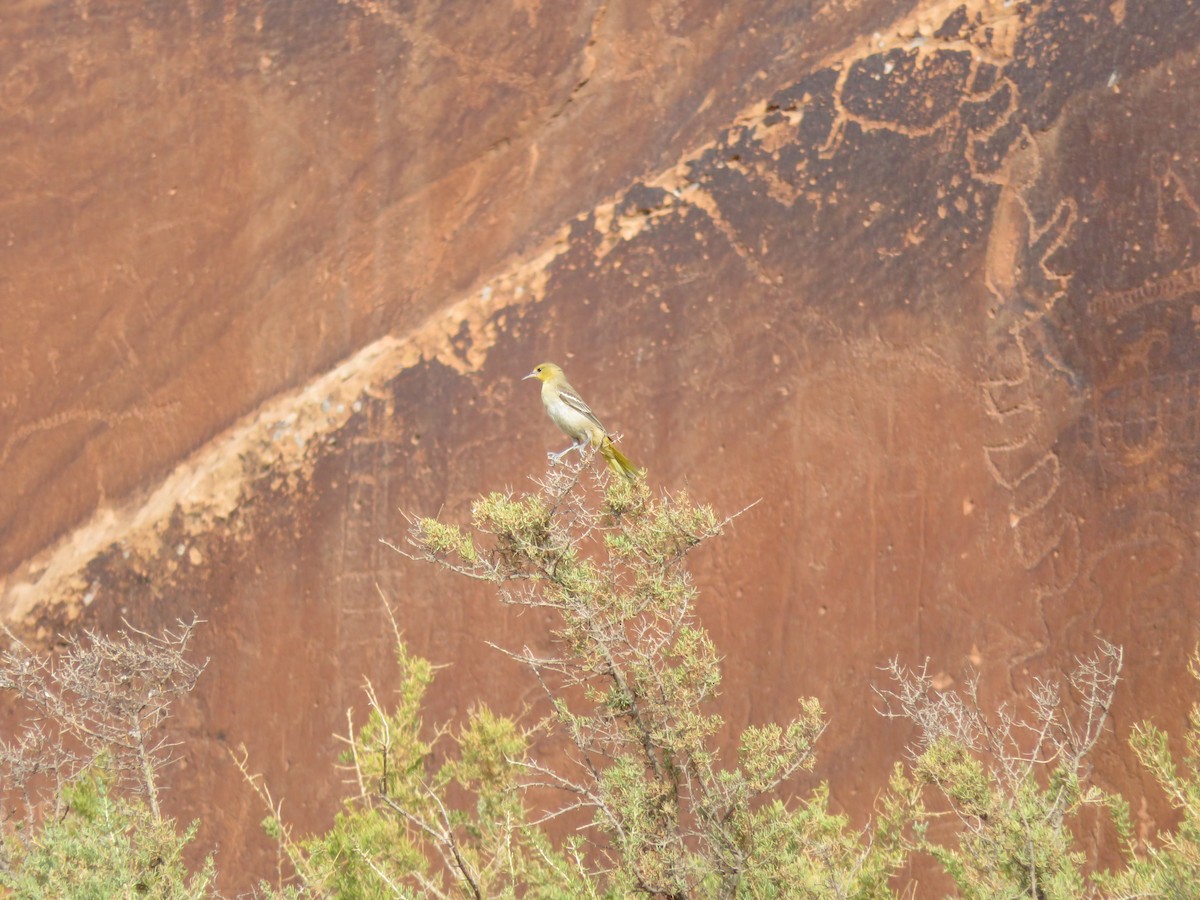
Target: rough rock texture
(925,279)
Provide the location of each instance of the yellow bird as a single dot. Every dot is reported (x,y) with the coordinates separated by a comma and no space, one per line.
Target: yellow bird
(576,419)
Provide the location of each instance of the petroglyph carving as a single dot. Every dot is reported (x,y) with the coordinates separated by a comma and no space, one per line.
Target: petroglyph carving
(1024,355)
(1139,419)
(976,100)
(936,75)
(1156,290)
(1171,191)
(1171,237)
(1133,325)
(1148,400)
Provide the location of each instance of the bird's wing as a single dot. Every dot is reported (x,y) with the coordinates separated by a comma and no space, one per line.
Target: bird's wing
(573,400)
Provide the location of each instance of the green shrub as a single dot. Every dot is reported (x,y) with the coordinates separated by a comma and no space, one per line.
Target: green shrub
(629,687)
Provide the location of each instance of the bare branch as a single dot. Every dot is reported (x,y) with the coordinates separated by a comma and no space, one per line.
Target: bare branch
(99,697)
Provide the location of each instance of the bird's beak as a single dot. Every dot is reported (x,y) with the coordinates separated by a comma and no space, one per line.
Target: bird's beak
(530,375)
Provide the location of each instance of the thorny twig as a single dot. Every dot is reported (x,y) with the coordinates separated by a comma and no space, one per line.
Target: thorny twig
(99,696)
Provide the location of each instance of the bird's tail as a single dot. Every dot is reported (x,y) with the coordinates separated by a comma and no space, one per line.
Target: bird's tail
(618,461)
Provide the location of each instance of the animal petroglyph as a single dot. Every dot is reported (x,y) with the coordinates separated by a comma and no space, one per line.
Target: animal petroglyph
(1148,393)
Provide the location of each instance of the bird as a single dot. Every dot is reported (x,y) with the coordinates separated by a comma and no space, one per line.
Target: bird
(576,419)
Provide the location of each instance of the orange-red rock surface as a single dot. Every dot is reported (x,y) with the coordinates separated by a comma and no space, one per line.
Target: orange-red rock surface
(925,278)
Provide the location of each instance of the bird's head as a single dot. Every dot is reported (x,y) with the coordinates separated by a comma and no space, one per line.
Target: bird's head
(544,372)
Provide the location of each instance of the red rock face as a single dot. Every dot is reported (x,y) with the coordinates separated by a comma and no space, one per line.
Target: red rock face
(925,283)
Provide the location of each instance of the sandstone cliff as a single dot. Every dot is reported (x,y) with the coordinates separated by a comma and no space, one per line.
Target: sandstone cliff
(923,277)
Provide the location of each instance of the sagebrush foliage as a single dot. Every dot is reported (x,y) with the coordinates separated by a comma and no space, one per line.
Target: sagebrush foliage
(1013,782)
(79,783)
(104,846)
(629,686)
(627,750)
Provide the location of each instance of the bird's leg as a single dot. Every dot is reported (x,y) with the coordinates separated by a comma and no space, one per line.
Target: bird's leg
(561,453)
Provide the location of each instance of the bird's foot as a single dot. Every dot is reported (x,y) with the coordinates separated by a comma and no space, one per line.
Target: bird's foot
(556,457)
